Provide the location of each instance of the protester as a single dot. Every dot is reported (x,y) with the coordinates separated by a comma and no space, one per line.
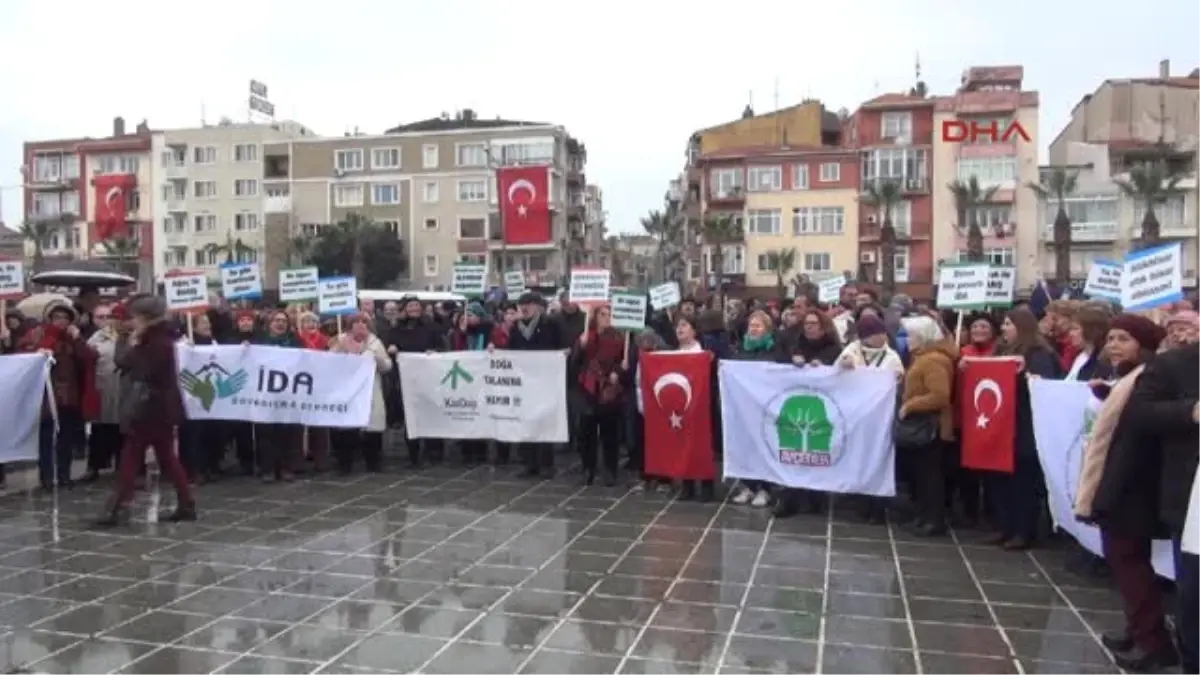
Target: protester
(599,361)
(414,333)
(472,332)
(688,337)
(308,331)
(367,442)
(535,332)
(278,444)
(758,344)
(1183,327)
(647,341)
(104,441)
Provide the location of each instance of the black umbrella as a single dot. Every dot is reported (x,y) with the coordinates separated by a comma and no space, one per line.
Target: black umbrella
(83,274)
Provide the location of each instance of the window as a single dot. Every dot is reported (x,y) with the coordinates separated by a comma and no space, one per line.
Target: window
(725,182)
(204,189)
(472,228)
(903,165)
(895,125)
(70,202)
(537,262)
(175,225)
(46,204)
(204,154)
(471,154)
(385,193)
(70,166)
(347,195)
(431,224)
(733,259)
(385,158)
(762,221)
(429,192)
(133,201)
(831,172)
(204,222)
(995,256)
(765,263)
(764,179)
(1171,214)
(245,152)
(245,187)
(392,226)
(817,262)
(525,152)
(348,160)
(245,221)
(800,177)
(990,171)
(207,256)
(992,216)
(175,157)
(48,168)
(117,164)
(901,266)
(472,191)
(431,265)
(246,255)
(429,156)
(175,257)
(1089,209)
(475,258)
(901,217)
(818,220)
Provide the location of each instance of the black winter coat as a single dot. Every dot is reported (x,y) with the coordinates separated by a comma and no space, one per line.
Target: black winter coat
(416,336)
(547,336)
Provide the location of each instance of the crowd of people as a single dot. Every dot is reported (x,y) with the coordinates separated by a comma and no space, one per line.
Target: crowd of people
(116,395)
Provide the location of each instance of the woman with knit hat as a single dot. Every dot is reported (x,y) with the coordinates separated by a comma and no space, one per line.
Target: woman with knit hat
(1183,328)
(472,332)
(278,445)
(368,442)
(308,331)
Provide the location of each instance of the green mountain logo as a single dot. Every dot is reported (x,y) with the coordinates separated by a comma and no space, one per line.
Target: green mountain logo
(457,374)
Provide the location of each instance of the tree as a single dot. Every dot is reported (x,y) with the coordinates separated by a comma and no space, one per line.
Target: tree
(618,259)
(968,197)
(234,249)
(39,232)
(1151,183)
(667,231)
(781,261)
(299,248)
(884,195)
(717,232)
(359,247)
(125,251)
(1058,184)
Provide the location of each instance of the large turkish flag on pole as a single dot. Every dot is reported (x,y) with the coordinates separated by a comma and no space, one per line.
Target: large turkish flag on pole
(524,204)
(111,195)
(677,410)
(987,400)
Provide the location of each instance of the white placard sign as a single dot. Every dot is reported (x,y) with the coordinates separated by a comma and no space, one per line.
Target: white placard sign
(470,279)
(1152,278)
(1104,280)
(963,286)
(666,295)
(1002,284)
(830,290)
(186,291)
(298,284)
(589,285)
(514,284)
(628,311)
(241,281)
(337,295)
(12,279)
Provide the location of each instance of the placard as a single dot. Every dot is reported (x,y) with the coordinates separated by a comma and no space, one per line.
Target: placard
(1152,278)
(628,311)
(241,281)
(589,285)
(186,291)
(337,295)
(298,284)
(830,290)
(470,279)
(963,286)
(514,283)
(664,296)
(12,279)
(1104,280)
(1002,285)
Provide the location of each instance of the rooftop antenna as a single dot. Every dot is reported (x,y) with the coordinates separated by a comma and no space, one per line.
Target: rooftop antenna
(918,68)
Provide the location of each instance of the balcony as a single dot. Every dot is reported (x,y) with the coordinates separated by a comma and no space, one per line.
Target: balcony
(276,167)
(869,229)
(277,204)
(907,184)
(1085,232)
(51,182)
(576,212)
(575,174)
(175,168)
(727,197)
(1168,228)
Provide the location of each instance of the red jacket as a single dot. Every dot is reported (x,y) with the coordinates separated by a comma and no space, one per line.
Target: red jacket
(73,376)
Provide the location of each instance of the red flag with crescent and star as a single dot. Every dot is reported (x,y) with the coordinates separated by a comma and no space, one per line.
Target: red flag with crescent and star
(677,411)
(524,195)
(987,404)
(111,195)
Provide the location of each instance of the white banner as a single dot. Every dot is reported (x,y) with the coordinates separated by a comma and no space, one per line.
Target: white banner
(258,383)
(819,428)
(503,395)
(1063,413)
(24,378)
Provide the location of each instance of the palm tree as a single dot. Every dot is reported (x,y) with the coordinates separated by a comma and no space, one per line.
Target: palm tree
(125,251)
(884,195)
(39,231)
(233,249)
(1150,183)
(617,259)
(968,196)
(781,261)
(717,231)
(299,248)
(354,228)
(1058,184)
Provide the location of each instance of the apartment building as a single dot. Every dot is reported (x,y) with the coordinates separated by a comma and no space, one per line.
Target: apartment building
(1110,130)
(433,183)
(999,149)
(208,195)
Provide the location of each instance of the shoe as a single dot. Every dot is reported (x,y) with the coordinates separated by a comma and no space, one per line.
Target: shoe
(784,508)
(930,530)
(1117,642)
(288,477)
(994,539)
(182,512)
(639,486)
(687,493)
(761,499)
(743,496)
(91,476)
(587,479)
(1015,544)
(708,493)
(1138,660)
(610,479)
(530,472)
(114,517)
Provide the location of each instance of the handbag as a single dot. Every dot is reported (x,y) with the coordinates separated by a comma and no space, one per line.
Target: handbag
(916,431)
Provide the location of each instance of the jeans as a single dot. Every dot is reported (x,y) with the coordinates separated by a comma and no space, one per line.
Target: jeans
(1187,607)
(278,447)
(600,439)
(133,454)
(929,481)
(56,450)
(104,444)
(1016,498)
(1129,559)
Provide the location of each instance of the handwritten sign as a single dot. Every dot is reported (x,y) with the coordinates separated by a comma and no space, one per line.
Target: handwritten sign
(665,295)
(628,311)
(1001,286)
(1104,280)
(963,286)
(470,279)
(830,290)
(12,279)
(298,284)
(241,281)
(514,283)
(589,285)
(1152,278)
(337,295)
(186,291)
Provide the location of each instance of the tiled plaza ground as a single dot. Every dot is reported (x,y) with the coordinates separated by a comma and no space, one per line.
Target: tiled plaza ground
(455,571)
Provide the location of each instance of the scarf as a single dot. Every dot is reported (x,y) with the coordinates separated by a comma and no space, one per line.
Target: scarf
(313,339)
(1095,453)
(528,328)
(50,337)
(762,343)
(978,350)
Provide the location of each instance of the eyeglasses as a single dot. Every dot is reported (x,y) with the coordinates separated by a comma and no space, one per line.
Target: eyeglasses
(102,317)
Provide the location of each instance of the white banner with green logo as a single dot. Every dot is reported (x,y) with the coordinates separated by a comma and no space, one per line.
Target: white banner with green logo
(276,385)
(503,395)
(820,428)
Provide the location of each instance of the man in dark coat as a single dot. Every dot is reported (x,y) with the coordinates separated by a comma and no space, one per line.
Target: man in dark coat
(535,331)
(414,333)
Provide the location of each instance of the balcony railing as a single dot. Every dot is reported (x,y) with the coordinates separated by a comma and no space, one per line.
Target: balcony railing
(1167,227)
(278,204)
(1085,232)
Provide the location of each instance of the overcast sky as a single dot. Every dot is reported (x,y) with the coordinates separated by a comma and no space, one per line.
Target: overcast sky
(631,79)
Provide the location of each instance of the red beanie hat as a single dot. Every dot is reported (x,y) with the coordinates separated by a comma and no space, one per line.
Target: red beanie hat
(1148,334)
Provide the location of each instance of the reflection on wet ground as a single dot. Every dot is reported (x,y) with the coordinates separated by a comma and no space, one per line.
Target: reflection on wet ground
(457,571)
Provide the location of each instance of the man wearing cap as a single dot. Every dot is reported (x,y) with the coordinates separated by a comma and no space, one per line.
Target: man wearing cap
(414,333)
(534,331)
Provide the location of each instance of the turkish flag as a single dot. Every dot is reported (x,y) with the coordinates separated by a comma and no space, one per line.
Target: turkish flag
(987,405)
(111,195)
(678,414)
(525,204)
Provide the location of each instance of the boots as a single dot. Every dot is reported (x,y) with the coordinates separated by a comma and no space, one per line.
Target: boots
(184,512)
(115,515)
